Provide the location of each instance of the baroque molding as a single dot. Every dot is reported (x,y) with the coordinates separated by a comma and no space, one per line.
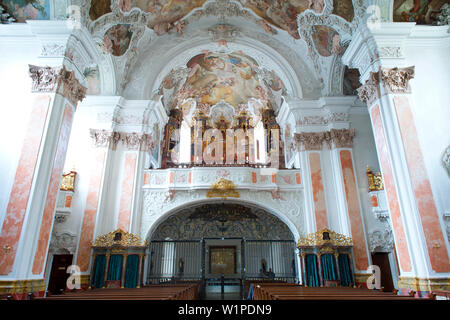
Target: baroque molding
(104,138)
(130,140)
(340,138)
(59,80)
(396,80)
(369,92)
(381,240)
(446,160)
(45,79)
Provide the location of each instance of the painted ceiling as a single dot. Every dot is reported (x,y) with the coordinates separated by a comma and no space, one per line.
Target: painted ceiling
(164,14)
(213,77)
(419,11)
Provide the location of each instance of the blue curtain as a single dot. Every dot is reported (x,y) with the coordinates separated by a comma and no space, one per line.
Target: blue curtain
(312,274)
(344,269)
(132,270)
(328,267)
(115,267)
(99,271)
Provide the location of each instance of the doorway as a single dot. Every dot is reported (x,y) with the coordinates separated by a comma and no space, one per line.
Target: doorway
(381,259)
(58,274)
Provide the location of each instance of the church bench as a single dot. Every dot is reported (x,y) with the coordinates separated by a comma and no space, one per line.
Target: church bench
(153,292)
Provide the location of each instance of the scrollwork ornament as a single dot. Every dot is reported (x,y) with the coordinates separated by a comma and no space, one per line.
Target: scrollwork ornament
(396,80)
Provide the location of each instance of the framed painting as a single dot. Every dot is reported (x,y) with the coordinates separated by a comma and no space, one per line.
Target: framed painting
(222,260)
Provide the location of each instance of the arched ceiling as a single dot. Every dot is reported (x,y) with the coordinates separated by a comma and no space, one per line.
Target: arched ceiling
(301,41)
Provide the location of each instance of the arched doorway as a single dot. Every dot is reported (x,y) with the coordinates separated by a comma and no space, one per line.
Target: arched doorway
(224,245)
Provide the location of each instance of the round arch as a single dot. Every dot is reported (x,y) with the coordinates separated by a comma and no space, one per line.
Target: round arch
(252,204)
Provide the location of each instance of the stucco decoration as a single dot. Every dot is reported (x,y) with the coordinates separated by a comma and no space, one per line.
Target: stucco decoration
(222,220)
(381,240)
(446,160)
(63,242)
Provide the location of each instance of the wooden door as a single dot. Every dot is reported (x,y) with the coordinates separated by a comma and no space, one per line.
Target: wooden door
(381,259)
(58,274)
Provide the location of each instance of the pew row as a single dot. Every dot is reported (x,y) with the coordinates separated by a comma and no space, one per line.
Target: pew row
(152,292)
(273,291)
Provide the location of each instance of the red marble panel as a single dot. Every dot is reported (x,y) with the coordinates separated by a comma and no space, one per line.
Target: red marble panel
(68,202)
(391,192)
(146,178)
(90,213)
(254,178)
(297,178)
(318,192)
(52,193)
(374,201)
(437,250)
(126,196)
(20,192)
(354,213)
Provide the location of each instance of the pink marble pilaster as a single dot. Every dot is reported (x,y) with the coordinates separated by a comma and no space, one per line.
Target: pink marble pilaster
(126,196)
(318,191)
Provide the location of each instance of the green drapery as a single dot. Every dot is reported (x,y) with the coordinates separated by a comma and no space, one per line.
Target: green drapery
(344,269)
(131,272)
(312,274)
(99,271)
(328,267)
(115,267)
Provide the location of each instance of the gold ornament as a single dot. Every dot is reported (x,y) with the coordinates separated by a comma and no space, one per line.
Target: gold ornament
(325,236)
(223,188)
(119,238)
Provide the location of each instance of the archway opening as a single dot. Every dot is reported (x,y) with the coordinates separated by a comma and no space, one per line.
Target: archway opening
(225,246)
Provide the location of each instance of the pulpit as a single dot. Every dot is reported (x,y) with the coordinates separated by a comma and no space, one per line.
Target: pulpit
(326,258)
(118,260)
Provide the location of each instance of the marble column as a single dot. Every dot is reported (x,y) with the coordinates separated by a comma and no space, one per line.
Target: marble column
(419,239)
(26,229)
(101,139)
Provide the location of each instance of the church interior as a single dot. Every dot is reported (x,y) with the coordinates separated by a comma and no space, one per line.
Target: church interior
(224,149)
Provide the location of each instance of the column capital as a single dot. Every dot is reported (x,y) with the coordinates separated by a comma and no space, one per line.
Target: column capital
(392,80)
(342,138)
(396,80)
(103,138)
(57,79)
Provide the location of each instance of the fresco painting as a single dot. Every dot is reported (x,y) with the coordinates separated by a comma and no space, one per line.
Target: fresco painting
(24,10)
(351,81)
(92,75)
(167,14)
(218,76)
(99,8)
(117,39)
(344,9)
(326,40)
(419,11)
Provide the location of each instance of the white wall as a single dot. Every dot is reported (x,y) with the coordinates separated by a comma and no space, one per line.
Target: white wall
(15,105)
(431,110)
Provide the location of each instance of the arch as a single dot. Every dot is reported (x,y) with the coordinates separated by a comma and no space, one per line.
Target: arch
(164,216)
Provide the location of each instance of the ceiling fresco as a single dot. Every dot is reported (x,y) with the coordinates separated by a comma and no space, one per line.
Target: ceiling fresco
(212,77)
(167,14)
(420,11)
(28,9)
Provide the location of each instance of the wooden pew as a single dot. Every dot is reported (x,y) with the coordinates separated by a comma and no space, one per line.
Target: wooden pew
(154,292)
(297,292)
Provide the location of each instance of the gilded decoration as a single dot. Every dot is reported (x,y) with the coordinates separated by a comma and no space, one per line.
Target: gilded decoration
(325,237)
(223,188)
(423,284)
(119,238)
(375,180)
(68,181)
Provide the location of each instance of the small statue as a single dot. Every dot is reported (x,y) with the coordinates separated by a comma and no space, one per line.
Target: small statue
(5,17)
